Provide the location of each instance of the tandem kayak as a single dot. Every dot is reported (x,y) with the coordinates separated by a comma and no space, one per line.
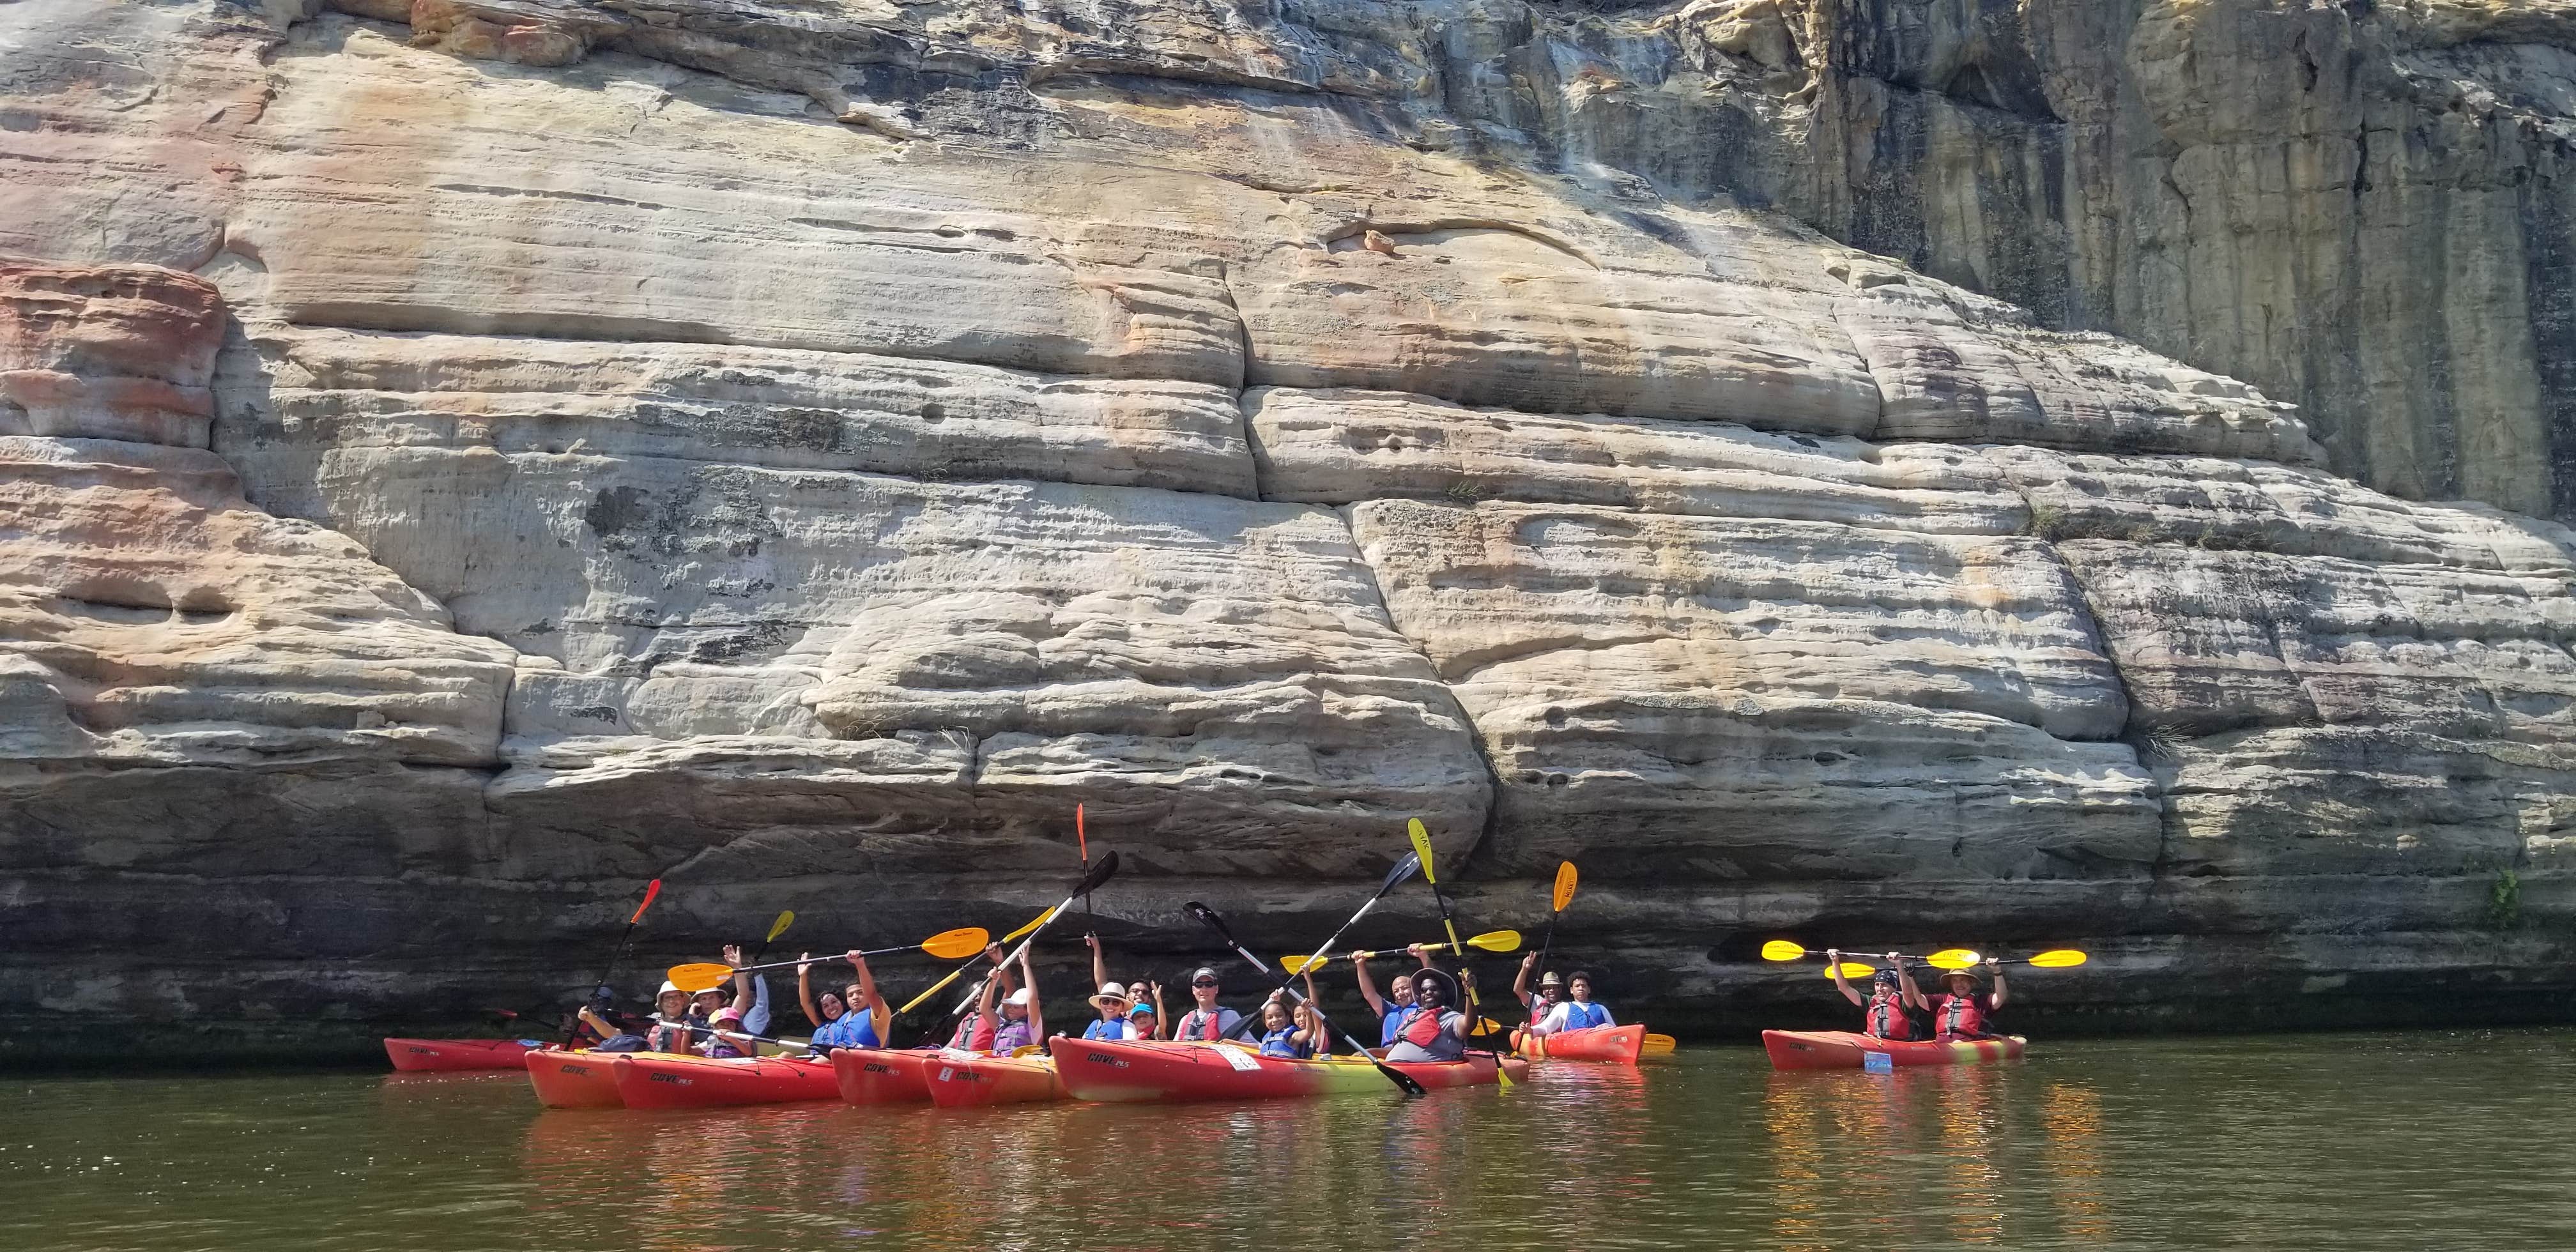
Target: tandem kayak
(882,1075)
(648,1080)
(963,1079)
(574,1080)
(424,1055)
(1842,1049)
(1167,1072)
(1619,1045)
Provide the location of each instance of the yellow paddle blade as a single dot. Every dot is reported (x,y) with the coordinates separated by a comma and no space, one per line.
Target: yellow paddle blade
(1657,1045)
(1953,958)
(2061,958)
(1497,941)
(949,945)
(1044,916)
(1422,848)
(1488,1026)
(1300,964)
(1782,950)
(1564,885)
(786,918)
(1851,969)
(696,978)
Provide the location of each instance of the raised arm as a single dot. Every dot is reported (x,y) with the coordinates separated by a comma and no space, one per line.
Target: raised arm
(880,1018)
(1834,964)
(1099,963)
(1157,1032)
(1520,981)
(1998,968)
(805,988)
(1906,991)
(741,982)
(1368,985)
(1037,1011)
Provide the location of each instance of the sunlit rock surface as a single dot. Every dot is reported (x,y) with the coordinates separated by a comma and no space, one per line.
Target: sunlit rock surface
(469,457)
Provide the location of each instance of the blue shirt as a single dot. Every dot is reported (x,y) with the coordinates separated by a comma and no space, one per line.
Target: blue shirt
(849,1030)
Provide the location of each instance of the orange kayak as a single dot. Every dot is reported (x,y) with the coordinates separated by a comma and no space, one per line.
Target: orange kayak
(962,1080)
(424,1055)
(1618,1045)
(652,1080)
(1842,1049)
(882,1075)
(574,1080)
(1168,1072)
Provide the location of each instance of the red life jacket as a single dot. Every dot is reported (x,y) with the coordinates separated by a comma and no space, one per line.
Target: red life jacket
(1887,1019)
(1205,1023)
(1419,1032)
(1963,1016)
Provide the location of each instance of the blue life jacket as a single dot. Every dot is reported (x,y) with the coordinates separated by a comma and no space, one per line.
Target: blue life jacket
(1585,1016)
(850,1030)
(1277,1044)
(1106,1028)
(1393,1027)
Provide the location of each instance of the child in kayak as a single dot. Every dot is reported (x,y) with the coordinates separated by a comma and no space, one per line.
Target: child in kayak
(1209,1020)
(1960,1011)
(721,1043)
(1396,1007)
(1436,1032)
(848,1019)
(1291,1033)
(974,1032)
(1022,1022)
(1577,1011)
(1891,992)
(1145,1012)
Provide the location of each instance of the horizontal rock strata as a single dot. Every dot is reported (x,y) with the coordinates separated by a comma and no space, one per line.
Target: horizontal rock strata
(527,448)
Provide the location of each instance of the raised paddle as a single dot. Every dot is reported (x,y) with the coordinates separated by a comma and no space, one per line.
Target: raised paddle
(1564,895)
(1783,950)
(1091,878)
(1082,844)
(1044,916)
(2055,958)
(947,945)
(1207,916)
(651,890)
(1490,941)
(1395,877)
(1475,1007)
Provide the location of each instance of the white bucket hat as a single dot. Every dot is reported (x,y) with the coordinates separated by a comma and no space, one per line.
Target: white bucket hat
(1113,995)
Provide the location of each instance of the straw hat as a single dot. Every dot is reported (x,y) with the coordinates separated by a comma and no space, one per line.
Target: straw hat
(1112,996)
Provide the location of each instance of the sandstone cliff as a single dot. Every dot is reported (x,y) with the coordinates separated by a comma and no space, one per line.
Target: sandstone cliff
(466,458)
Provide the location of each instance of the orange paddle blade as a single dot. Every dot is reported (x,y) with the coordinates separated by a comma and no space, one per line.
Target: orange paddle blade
(950,945)
(696,978)
(1564,885)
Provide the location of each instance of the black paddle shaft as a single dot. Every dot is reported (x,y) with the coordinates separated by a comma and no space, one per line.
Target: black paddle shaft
(572,1028)
(1404,869)
(1208,916)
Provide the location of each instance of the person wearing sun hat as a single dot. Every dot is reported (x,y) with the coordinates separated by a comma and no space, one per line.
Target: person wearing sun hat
(1438,1032)
(1960,1011)
(1022,1021)
(1114,1005)
(1891,993)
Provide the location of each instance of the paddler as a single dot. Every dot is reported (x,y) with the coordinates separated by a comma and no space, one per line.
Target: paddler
(1291,1033)
(1114,1005)
(721,1043)
(1396,1007)
(1959,1010)
(1891,992)
(1146,1014)
(848,1019)
(1436,1032)
(1209,1020)
(1577,1011)
(975,1031)
(1550,990)
(1023,1022)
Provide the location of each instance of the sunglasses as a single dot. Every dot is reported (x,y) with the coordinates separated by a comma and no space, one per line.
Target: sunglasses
(1204,983)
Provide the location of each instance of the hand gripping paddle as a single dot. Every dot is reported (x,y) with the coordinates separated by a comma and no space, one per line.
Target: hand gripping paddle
(1394,877)
(1091,878)
(947,945)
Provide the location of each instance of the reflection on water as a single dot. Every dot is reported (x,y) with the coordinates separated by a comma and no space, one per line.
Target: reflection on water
(2265,1143)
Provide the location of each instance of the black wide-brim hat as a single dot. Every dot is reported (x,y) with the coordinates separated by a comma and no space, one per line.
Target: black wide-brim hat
(1449,995)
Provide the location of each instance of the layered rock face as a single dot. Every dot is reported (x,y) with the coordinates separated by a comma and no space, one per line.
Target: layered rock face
(466,459)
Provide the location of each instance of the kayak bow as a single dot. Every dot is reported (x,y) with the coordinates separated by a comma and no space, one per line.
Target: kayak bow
(651,1080)
(444,1055)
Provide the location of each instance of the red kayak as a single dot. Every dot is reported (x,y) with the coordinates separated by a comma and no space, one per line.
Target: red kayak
(1841,1049)
(652,1080)
(574,1080)
(423,1055)
(964,1080)
(1618,1045)
(882,1075)
(1170,1072)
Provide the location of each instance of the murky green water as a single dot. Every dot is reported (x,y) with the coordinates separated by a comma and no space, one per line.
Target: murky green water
(2453,1140)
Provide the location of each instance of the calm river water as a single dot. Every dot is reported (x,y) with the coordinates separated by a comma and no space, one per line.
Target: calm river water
(2418,1140)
